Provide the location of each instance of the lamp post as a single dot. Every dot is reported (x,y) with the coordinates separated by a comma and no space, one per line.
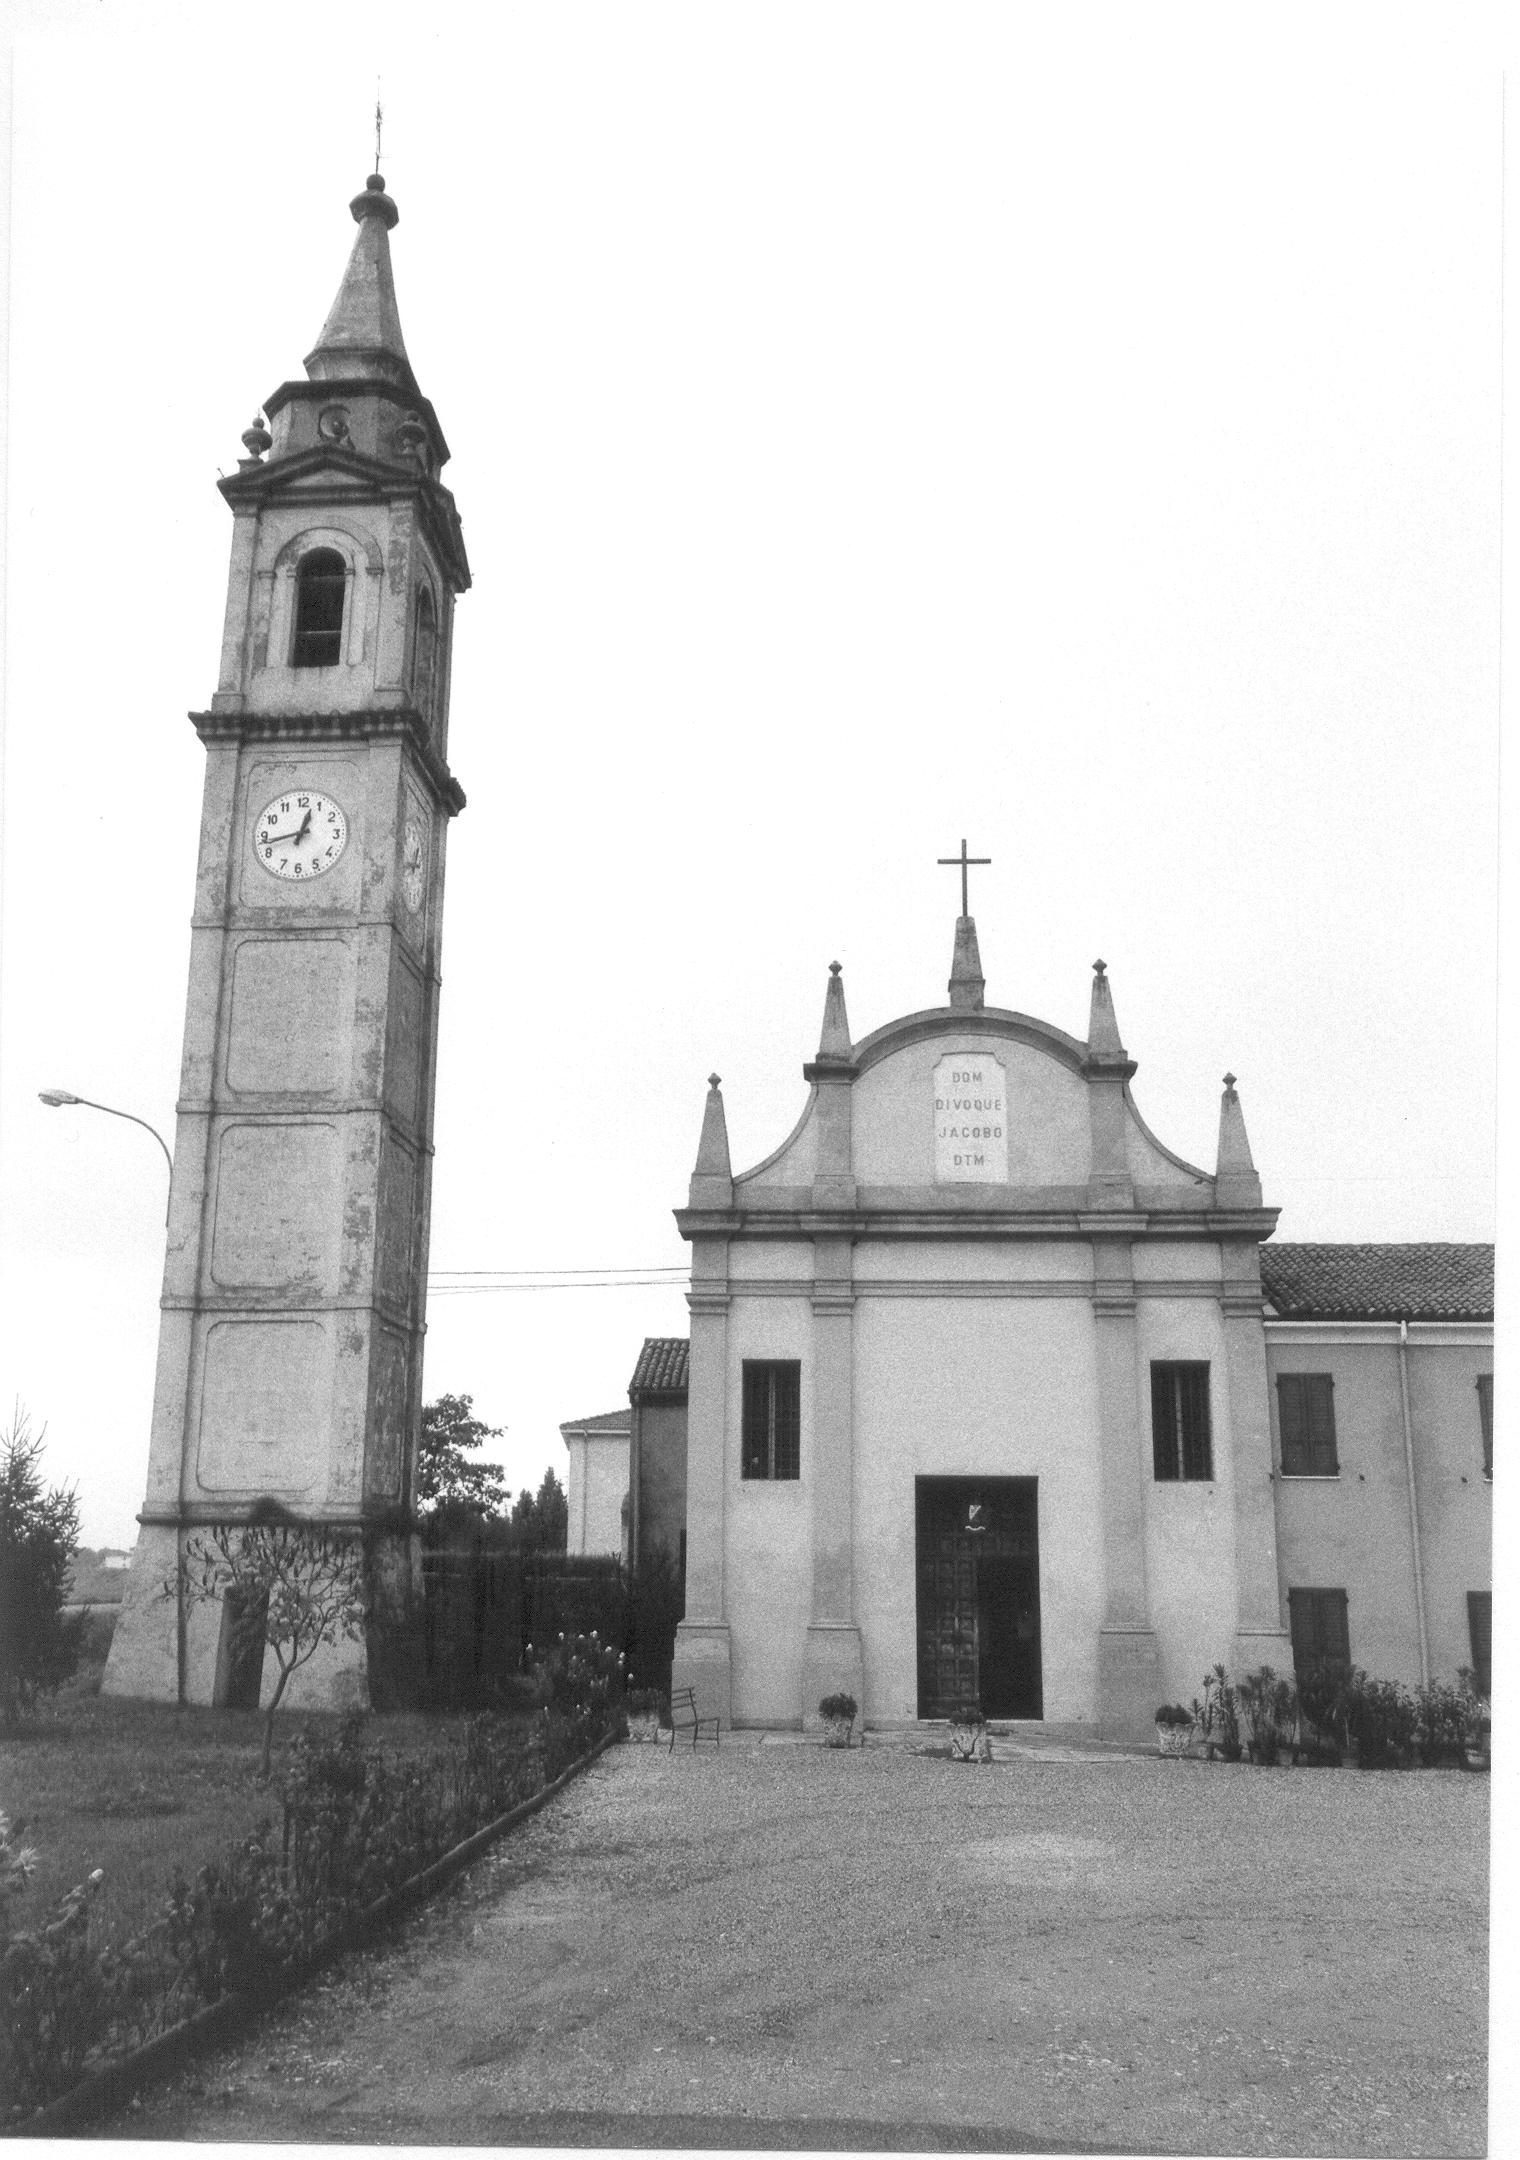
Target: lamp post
(60,1099)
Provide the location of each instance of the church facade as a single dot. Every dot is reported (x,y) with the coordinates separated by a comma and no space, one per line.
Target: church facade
(987,1405)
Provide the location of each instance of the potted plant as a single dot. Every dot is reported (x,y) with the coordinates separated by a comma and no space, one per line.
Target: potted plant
(838,1714)
(643,1707)
(1217,1717)
(1271,1707)
(1322,1713)
(1477,1735)
(969,1741)
(1174,1729)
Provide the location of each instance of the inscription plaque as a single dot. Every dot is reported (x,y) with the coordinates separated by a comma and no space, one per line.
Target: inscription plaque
(970,1120)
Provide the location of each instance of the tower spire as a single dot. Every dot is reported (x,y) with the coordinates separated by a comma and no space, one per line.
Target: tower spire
(362,334)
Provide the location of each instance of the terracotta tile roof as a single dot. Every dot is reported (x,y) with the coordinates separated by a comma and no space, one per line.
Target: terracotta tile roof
(605,1421)
(662,1366)
(1379,1282)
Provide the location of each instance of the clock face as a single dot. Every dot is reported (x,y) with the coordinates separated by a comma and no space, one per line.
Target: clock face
(414,863)
(300,836)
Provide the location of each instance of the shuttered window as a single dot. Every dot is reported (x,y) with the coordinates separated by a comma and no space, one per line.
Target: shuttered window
(1486,1420)
(320,585)
(1306,1419)
(1480,1631)
(1180,1433)
(1317,1624)
(772,1438)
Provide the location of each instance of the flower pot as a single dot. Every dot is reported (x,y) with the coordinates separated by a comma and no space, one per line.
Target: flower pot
(969,1742)
(837,1731)
(1475,1758)
(644,1725)
(1173,1739)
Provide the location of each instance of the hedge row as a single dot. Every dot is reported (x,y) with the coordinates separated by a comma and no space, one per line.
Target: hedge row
(354,1824)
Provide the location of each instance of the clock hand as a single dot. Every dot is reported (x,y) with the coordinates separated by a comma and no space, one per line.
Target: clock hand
(277,839)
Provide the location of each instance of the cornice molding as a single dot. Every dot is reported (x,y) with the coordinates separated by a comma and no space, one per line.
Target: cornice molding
(400,723)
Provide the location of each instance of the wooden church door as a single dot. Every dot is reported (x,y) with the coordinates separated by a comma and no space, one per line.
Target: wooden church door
(978,1597)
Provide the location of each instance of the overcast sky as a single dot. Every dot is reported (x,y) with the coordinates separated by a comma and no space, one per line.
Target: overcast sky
(1077,431)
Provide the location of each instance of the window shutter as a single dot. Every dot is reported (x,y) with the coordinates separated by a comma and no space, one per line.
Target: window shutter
(1319,1393)
(1291,1423)
(786,1408)
(1486,1420)
(1480,1630)
(756,1451)
(1163,1421)
(1197,1448)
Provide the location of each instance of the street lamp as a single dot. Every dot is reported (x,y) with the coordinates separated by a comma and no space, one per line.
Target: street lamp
(60,1098)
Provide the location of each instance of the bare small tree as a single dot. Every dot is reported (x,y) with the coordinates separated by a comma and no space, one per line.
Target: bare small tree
(295,1587)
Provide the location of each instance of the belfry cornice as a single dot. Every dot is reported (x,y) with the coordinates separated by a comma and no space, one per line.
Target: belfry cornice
(373,724)
(332,473)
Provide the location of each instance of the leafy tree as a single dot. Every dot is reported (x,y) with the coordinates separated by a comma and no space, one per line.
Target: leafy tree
(39,1536)
(541,1523)
(447,1484)
(290,1587)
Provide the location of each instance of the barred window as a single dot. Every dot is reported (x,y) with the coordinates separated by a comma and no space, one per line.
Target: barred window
(1306,1420)
(1180,1431)
(321,582)
(1317,1623)
(1486,1420)
(772,1439)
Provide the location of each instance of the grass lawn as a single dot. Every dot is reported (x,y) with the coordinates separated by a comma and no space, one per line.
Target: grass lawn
(140,1789)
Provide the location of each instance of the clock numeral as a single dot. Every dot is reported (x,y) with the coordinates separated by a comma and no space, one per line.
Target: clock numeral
(285,805)
(303,802)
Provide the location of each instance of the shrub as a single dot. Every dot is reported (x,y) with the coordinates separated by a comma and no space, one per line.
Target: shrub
(647,1702)
(839,1706)
(1173,1714)
(355,1824)
(1382,1718)
(1442,1715)
(39,1536)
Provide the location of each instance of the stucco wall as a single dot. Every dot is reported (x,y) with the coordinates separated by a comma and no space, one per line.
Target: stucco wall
(662,1477)
(768,1545)
(976,1387)
(1049,1128)
(596,1488)
(1189,1523)
(1352,1531)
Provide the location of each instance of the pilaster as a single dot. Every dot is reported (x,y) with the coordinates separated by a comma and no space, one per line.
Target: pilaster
(1260,1637)
(832,1658)
(702,1661)
(1129,1668)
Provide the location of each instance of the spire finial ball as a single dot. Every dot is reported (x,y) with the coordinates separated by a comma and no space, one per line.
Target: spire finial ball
(834,968)
(1229,1080)
(712,1079)
(375,184)
(1100,967)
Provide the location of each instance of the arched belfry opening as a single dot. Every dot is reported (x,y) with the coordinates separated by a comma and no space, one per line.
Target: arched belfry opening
(321,581)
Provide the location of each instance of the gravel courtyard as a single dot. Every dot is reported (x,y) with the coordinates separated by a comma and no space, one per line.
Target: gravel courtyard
(776,1944)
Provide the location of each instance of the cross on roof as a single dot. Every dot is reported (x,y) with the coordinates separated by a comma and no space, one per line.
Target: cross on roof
(963,862)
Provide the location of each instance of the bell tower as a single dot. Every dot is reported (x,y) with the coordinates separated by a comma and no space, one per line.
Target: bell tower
(290,1344)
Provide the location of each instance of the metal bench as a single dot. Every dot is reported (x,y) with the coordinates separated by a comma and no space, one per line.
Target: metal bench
(684,1712)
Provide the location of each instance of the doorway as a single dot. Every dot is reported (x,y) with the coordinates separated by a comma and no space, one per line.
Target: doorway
(978,1597)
